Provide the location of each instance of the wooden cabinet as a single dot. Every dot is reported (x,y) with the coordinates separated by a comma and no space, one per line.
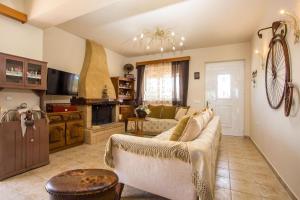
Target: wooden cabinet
(20,153)
(74,132)
(22,73)
(65,130)
(124,88)
(126,111)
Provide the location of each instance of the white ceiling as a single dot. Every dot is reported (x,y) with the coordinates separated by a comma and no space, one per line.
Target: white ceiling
(114,23)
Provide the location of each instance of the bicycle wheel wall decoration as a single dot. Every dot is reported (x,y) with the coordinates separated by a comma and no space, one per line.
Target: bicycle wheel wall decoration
(278,83)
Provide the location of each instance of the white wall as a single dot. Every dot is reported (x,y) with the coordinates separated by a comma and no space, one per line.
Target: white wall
(21,40)
(277,136)
(201,56)
(65,51)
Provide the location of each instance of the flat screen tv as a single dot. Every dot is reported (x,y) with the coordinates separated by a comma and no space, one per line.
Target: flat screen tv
(62,83)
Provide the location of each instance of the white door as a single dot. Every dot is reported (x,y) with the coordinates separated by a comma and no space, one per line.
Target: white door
(225,94)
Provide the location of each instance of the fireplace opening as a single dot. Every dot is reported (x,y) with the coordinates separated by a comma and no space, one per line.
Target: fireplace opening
(102,114)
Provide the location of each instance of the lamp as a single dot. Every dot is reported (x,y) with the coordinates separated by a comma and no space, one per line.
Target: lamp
(160,39)
(257,52)
(294,22)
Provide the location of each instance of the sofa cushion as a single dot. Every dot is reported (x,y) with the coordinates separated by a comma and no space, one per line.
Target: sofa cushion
(179,129)
(191,111)
(180,113)
(168,112)
(193,129)
(207,116)
(155,111)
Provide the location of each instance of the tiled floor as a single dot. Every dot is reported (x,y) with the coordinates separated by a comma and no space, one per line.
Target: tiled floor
(242,174)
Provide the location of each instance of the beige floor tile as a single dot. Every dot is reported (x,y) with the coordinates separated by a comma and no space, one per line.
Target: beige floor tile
(222,194)
(222,164)
(243,196)
(241,176)
(245,187)
(222,182)
(273,192)
(223,172)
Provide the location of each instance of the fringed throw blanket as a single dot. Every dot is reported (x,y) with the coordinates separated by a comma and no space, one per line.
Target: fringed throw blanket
(200,153)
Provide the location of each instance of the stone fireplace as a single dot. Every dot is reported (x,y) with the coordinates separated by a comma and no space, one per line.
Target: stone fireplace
(100,112)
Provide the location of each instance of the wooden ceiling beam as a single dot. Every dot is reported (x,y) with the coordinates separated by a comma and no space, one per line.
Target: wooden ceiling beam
(163,60)
(12,13)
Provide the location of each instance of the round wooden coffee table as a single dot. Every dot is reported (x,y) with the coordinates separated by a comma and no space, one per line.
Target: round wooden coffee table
(87,184)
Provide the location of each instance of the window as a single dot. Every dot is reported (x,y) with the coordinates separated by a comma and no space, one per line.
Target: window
(158,83)
(224,86)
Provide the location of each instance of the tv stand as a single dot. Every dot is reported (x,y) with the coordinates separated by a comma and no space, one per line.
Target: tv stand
(65,130)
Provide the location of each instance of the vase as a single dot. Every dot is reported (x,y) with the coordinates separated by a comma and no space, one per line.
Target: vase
(141,113)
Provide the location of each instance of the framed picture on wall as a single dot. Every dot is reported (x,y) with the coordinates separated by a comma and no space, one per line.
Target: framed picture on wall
(196,75)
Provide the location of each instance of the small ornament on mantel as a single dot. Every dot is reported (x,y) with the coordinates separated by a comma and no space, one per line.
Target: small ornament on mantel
(105,93)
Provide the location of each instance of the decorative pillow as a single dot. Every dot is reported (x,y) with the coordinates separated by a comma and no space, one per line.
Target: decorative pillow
(168,112)
(191,111)
(193,129)
(179,128)
(206,117)
(155,111)
(180,113)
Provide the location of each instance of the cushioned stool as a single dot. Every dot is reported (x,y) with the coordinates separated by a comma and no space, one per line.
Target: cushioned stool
(87,184)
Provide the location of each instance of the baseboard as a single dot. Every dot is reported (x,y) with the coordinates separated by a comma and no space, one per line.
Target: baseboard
(291,194)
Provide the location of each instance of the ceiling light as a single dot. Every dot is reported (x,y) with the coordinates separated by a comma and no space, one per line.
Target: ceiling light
(256,51)
(159,38)
(282,12)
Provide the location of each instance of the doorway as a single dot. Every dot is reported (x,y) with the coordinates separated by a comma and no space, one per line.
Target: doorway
(224,92)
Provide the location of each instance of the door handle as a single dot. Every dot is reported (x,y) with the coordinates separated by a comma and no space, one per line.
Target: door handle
(31,140)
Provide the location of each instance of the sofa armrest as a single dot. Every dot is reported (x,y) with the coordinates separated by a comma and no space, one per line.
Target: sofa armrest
(149,147)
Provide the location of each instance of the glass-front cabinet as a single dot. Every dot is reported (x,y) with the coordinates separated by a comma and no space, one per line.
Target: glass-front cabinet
(13,71)
(35,72)
(18,72)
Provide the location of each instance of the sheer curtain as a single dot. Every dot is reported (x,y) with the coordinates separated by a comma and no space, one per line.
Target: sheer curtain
(158,84)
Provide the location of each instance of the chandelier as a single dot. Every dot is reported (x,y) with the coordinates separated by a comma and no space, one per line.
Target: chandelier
(159,39)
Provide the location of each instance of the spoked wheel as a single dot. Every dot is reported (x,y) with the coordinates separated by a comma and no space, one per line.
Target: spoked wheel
(277,73)
(288,99)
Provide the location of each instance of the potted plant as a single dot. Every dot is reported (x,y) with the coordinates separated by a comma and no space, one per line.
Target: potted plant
(142,111)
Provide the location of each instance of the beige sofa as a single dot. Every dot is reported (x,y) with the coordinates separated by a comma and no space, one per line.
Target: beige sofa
(157,125)
(153,125)
(174,170)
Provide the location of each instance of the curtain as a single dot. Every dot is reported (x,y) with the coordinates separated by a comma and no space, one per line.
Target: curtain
(180,76)
(158,83)
(140,84)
